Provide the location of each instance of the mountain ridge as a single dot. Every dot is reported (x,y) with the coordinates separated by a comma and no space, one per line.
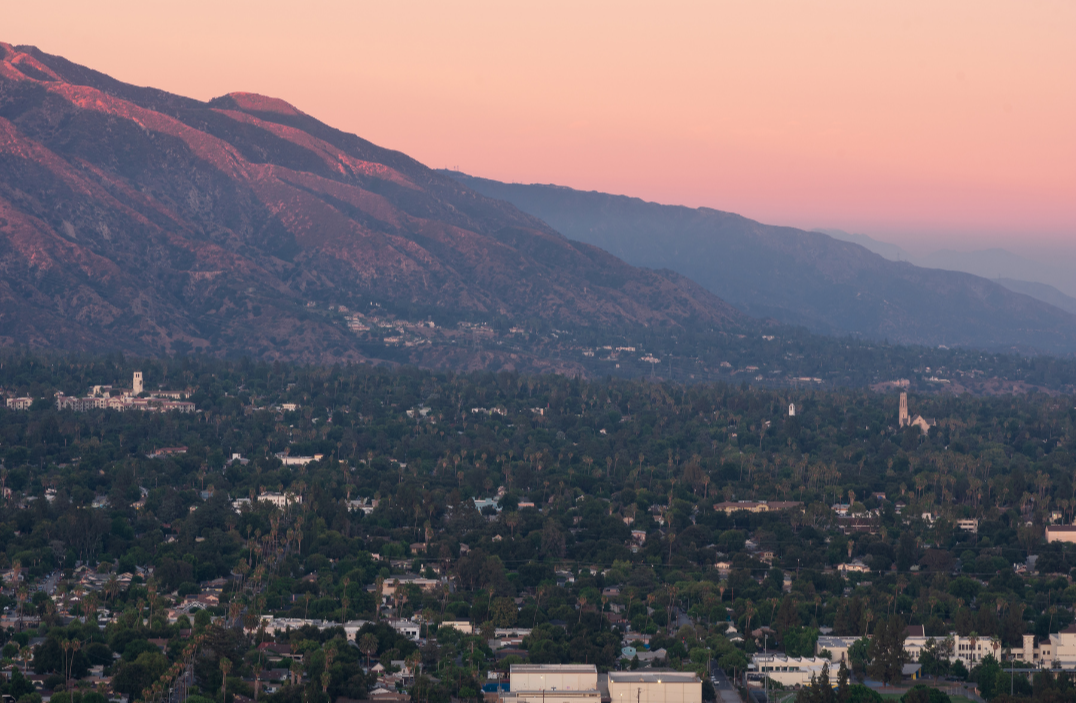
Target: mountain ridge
(138,219)
(799,277)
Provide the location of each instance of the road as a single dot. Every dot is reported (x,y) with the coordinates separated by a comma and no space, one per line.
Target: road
(726,693)
(49,584)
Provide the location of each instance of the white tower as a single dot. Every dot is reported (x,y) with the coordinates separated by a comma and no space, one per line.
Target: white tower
(903,418)
(136,385)
(792,410)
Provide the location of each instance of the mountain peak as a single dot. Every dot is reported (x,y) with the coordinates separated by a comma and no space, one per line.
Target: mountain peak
(253,102)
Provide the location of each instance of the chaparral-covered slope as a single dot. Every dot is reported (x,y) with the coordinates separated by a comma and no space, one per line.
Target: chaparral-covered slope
(134,219)
(798,277)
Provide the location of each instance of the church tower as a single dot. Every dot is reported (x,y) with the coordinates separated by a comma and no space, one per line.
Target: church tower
(136,385)
(904,420)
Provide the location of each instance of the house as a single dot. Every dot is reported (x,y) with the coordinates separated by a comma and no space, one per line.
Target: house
(856,566)
(969,525)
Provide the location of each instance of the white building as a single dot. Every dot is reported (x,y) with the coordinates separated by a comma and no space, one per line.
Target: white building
(280,500)
(1059,649)
(136,383)
(969,525)
(19,403)
(1061,533)
(462,626)
(785,670)
(298,460)
(836,646)
(856,566)
(553,683)
(969,650)
(654,687)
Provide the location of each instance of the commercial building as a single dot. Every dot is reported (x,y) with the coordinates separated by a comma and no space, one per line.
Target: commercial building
(553,683)
(654,687)
(785,670)
(1061,533)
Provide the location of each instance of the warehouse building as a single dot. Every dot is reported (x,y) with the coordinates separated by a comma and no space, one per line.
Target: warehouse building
(553,683)
(654,687)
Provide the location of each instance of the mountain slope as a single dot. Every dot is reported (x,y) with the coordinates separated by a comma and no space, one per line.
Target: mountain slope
(798,277)
(134,219)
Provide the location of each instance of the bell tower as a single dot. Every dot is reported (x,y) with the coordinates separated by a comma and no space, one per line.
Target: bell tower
(136,384)
(904,420)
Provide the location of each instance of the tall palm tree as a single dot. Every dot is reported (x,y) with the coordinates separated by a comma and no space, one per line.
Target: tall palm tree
(225,668)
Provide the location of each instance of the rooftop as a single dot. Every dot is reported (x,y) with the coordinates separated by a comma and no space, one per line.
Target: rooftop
(558,668)
(653,677)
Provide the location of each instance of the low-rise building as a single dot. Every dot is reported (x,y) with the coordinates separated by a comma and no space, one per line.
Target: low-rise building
(759,506)
(969,650)
(1061,533)
(969,525)
(1058,649)
(785,670)
(553,683)
(836,646)
(654,687)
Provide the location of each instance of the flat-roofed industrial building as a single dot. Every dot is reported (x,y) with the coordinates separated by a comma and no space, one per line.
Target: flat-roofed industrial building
(654,687)
(553,683)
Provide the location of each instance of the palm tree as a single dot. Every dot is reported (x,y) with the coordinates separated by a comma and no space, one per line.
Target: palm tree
(368,646)
(225,668)
(542,590)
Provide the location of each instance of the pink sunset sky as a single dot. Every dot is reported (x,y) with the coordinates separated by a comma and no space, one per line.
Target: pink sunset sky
(925,124)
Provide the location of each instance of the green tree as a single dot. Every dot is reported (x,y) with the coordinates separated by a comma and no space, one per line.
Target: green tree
(859,657)
(887,650)
(504,612)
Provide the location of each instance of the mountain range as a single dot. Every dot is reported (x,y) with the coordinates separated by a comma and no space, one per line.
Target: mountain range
(798,277)
(139,220)
(1045,282)
(136,220)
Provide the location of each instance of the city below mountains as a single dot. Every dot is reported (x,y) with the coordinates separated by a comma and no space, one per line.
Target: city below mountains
(139,221)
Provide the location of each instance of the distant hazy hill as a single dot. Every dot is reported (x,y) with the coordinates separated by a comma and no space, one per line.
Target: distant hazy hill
(998,265)
(138,220)
(884,249)
(1043,292)
(795,276)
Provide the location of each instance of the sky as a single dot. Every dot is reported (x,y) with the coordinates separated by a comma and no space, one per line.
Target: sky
(925,124)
